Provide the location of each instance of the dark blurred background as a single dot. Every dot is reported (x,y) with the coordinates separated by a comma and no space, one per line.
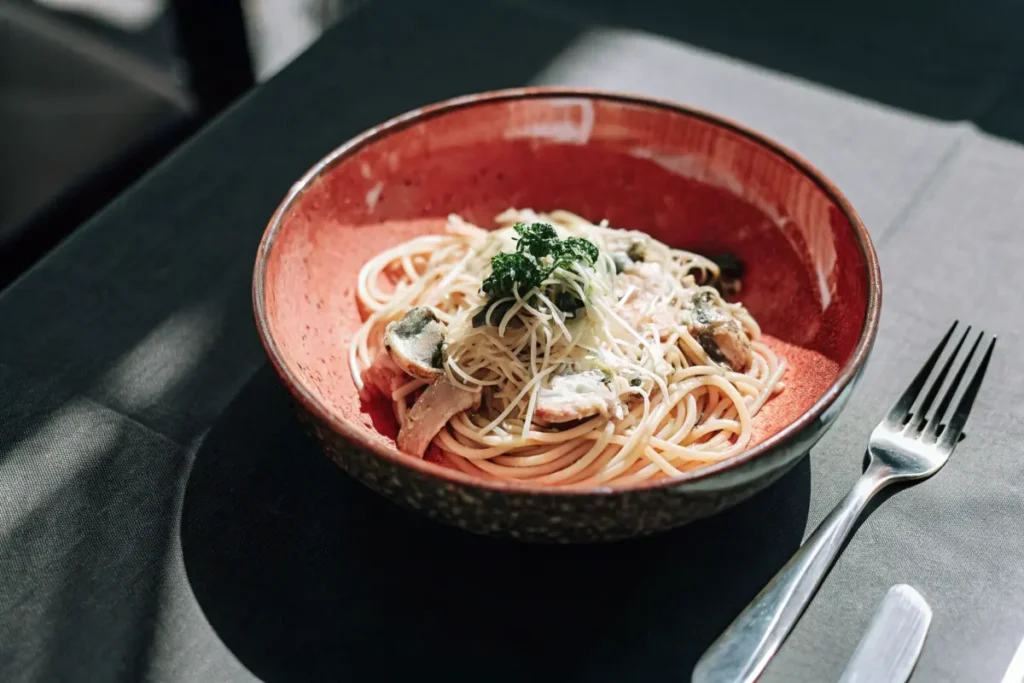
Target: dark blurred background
(95,92)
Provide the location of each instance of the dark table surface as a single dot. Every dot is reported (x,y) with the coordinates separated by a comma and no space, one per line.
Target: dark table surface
(163,517)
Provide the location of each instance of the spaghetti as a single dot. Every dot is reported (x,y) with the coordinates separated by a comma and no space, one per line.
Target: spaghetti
(559,352)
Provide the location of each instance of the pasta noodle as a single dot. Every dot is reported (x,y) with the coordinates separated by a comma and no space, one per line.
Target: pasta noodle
(617,365)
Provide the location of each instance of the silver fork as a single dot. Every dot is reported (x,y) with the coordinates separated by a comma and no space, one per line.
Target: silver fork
(904,446)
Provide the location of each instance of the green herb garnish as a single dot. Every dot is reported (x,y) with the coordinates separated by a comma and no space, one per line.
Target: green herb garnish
(536,239)
(512,272)
(538,253)
(574,250)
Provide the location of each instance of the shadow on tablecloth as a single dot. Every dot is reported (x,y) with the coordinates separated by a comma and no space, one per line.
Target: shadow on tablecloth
(306,575)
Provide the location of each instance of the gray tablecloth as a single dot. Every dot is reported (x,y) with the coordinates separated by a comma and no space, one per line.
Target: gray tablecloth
(162,517)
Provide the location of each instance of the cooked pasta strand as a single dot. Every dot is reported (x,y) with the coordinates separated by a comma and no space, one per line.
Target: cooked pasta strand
(655,394)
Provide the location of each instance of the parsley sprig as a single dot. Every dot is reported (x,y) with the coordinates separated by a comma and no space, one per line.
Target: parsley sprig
(538,253)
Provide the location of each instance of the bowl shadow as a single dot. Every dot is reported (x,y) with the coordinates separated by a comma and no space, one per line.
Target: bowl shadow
(307,575)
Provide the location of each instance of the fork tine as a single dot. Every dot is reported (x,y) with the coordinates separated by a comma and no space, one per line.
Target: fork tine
(932,432)
(902,406)
(933,391)
(955,427)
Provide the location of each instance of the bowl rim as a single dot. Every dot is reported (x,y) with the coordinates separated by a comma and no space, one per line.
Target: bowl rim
(449,475)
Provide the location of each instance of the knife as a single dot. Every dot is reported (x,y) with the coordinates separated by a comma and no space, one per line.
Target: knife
(888,651)
(1015,672)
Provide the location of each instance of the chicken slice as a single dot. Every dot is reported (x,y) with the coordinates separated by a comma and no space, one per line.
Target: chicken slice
(440,402)
(645,284)
(574,396)
(384,375)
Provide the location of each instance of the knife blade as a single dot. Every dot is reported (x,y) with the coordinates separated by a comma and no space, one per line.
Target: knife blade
(1015,672)
(889,649)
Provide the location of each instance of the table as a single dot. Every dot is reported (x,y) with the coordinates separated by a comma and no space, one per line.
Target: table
(163,517)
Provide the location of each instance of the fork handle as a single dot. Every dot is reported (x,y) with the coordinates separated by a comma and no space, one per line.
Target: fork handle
(741,653)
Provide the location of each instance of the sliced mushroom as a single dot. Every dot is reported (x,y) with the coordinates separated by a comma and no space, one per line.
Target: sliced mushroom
(415,342)
(573,396)
(441,401)
(719,335)
(634,252)
(637,251)
(496,315)
(729,281)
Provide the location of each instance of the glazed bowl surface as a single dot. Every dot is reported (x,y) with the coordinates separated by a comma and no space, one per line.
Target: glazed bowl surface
(688,178)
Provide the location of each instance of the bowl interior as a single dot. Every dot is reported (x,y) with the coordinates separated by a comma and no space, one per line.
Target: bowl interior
(684,178)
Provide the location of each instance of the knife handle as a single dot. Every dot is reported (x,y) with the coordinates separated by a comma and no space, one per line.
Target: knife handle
(888,651)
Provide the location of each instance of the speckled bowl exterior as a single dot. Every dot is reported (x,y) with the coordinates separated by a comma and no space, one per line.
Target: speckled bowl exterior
(552,517)
(688,178)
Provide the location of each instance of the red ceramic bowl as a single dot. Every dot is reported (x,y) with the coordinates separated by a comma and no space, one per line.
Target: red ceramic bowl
(690,179)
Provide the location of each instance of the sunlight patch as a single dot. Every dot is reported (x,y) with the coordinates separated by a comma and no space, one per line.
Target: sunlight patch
(164,357)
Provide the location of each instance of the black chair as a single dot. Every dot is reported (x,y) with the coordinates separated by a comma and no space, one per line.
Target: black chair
(81,119)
